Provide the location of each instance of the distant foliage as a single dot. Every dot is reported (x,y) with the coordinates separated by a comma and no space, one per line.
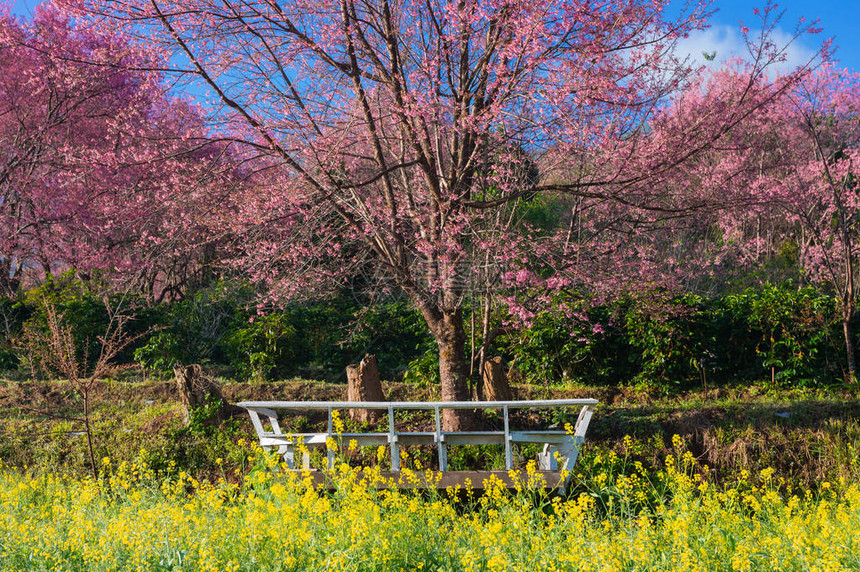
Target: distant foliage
(789,334)
(263,348)
(219,325)
(82,308)
(192,330)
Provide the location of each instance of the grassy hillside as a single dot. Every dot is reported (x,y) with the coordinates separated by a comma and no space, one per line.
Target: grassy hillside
(806,437)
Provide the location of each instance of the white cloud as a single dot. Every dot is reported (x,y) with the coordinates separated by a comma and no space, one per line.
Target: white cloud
(724,42)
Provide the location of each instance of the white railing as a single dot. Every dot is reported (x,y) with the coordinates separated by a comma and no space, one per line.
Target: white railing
(560,445)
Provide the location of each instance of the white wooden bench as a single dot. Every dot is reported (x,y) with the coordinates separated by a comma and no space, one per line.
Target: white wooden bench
(558,445)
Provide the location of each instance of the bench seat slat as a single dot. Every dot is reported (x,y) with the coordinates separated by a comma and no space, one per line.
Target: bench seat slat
(554,437)
(474,438)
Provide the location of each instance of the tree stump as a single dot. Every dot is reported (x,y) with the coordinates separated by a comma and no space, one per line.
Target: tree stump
(496,387)
(197,390)
(363,385)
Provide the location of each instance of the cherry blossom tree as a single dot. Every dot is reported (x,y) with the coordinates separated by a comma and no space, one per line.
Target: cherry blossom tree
(391,133)
(821,193)
(98,163)
(793,169)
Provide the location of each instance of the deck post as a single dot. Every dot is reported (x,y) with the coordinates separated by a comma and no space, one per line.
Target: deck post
(286,451)
(289,455)
(255,421)
(509,454)
(329,452)
(392,440)
(440,441)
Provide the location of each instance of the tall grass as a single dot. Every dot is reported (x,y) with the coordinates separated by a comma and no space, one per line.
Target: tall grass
(618,517)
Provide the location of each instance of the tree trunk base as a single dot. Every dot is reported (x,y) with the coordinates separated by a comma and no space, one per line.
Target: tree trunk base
(363,385)
(199,392)
(496,387)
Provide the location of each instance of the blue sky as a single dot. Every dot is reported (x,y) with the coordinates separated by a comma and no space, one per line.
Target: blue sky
(839,18)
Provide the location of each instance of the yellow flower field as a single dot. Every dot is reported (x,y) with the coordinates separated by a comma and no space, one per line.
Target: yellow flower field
(673,519)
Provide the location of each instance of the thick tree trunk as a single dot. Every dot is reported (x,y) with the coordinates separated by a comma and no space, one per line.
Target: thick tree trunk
(362,384)
(480,392)
(848,331)
(453,370)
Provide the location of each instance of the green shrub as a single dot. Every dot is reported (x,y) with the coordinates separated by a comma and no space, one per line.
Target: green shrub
(82,307)
(672,345)
(590,349)
(424,369)
(777,330)
(265,346)
(689,340)
(793,331)
(395,332)
(322,338)
(192,330)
